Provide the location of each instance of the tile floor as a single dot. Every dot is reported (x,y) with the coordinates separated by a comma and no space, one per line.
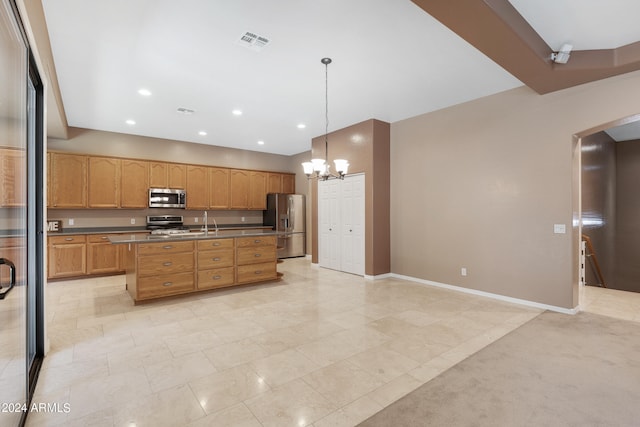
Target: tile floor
(318,348)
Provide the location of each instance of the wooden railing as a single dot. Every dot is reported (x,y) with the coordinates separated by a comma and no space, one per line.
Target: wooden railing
(591,254)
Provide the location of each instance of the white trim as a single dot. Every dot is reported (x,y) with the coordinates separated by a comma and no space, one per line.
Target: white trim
(379,276)
(563,310)
(307,256)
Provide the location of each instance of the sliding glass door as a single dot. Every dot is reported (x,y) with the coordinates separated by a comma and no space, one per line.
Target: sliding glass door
(21,224)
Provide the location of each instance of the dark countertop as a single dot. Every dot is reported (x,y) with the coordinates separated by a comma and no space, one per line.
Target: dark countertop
(143,229)
(195,235)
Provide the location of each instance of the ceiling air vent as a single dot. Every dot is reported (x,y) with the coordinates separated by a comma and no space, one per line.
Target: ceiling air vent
(253,41)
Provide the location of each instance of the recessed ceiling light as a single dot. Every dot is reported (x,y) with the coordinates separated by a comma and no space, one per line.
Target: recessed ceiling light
(301,126)
(144,92)
(185,111)
(260,142)
(130,122)
(202,133)
(237,112)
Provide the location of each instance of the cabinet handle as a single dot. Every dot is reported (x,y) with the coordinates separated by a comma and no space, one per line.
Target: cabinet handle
(69,239)
(167,264)
(216,244)
(257,241)
(216,259)
(217,277)
(167,247)
(167,284)
(104,237)
(258,271)
(257,255)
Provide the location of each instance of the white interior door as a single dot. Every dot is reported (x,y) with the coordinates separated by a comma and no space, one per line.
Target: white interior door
(341,224)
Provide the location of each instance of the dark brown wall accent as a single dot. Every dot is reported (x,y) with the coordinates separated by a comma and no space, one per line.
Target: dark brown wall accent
(366,145)
(599,203)
(497,29)
(627,214)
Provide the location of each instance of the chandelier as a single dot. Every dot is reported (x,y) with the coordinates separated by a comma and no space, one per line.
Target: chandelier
(319,168)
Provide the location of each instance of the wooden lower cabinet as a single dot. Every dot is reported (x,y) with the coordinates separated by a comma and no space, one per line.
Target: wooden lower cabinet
(161,269)
(102,256)
(67,256)
(12,249)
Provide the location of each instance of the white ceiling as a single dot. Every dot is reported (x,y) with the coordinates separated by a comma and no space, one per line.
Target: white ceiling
(391,61)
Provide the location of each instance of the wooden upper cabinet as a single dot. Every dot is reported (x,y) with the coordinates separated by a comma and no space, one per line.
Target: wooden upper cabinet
(177,175)
(219,188)
(274,183)
(158,177)
(239,189)
(12,169)
(68,180)
(197,187)
(288,183)
(135,184)
(104,182)
(257,190)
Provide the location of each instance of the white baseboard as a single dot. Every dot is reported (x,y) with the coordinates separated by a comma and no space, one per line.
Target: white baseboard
(378,276)
(499,297)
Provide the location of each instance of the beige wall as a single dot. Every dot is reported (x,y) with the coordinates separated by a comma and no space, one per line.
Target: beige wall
(599,203)
(628,216)
(480,185)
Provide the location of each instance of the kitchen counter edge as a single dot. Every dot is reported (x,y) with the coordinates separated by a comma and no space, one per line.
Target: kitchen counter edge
(159,238)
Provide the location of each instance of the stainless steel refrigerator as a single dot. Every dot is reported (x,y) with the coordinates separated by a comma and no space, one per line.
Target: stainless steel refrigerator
(285,213)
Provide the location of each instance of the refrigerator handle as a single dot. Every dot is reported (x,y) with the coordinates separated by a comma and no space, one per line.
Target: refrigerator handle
(291,213)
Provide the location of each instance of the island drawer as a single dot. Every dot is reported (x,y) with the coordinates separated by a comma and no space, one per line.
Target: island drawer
(99,238)
(214,244)
(246,242)
(256,255)
(257,272)
(165,264)
(216,278)
(215,259)
(160,286)
(165,247)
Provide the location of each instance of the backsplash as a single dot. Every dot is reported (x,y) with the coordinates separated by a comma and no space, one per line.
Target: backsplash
(89,218)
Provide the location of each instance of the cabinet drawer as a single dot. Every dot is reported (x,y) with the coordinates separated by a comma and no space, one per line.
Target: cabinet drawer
(160,286)
(246,242)
(205,245)
(99,238)
(164,247)
(215,259)
(257,254)
(165,264)
(257,272)
(216,278)
(62,240)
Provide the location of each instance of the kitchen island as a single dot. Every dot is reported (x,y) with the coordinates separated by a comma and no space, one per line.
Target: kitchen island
(159,266)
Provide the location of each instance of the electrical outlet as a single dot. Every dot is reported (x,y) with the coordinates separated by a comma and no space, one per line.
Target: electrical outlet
(133,221)
(196,220)
(71,221)
(463,271)
(242,219)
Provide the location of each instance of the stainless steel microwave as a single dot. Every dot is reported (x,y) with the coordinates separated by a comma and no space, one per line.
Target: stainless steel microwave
(167,198)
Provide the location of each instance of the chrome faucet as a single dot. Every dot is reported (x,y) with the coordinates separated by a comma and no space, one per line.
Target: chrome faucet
(205,222)
(215,224)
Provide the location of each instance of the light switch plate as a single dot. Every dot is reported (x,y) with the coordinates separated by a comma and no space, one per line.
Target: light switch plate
(559,228)
(71,221)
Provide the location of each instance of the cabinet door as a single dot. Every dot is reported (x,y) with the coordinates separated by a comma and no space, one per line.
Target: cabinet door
(12,167)
(218,188)
(197,187)
(68,181)
(239,189)
(135,184)
(258,190)
(69,258)
(274,183)
(103,258)
(288,183)
(158,175)
(177,174)
(104,182)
